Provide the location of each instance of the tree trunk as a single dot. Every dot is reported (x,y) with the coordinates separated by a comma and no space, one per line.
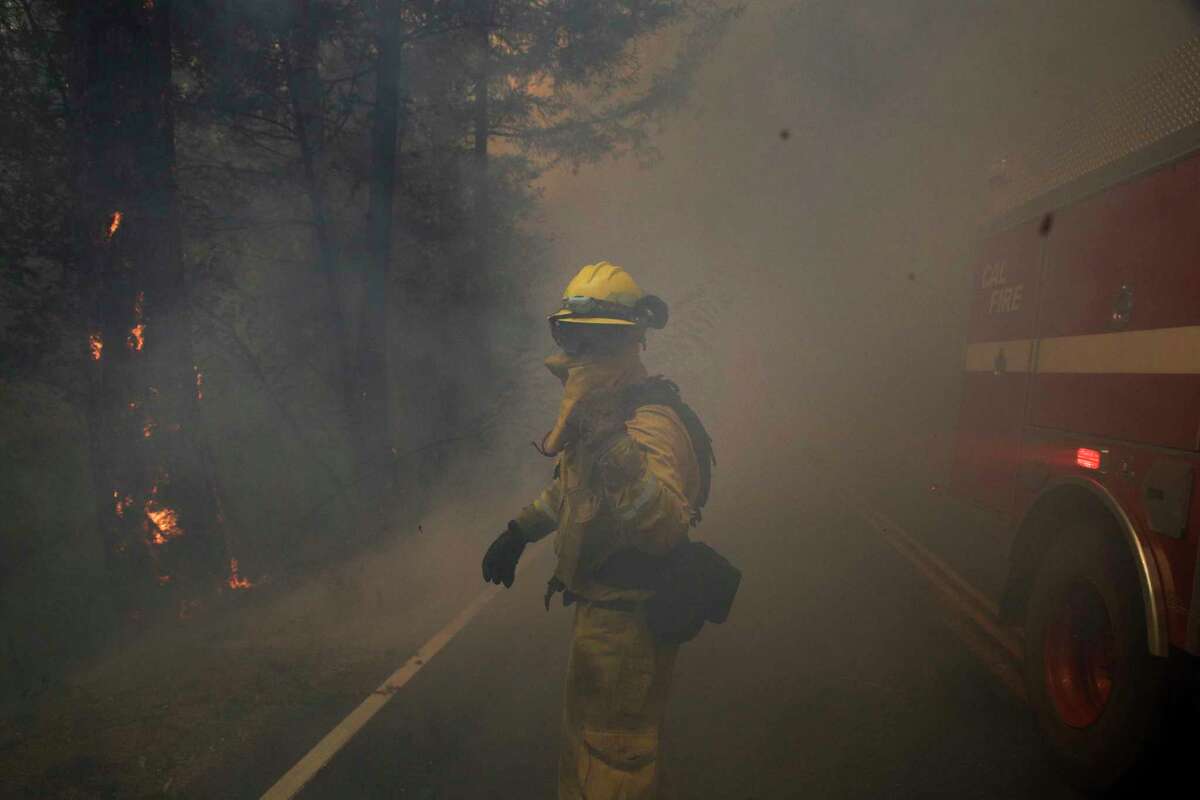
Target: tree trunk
(308,119)
(377,459)
(154,507)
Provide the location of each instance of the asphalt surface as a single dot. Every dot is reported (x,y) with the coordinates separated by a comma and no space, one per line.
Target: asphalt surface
(835,677)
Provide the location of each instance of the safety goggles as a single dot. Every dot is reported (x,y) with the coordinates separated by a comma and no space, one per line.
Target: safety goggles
(579,340)
(579,306)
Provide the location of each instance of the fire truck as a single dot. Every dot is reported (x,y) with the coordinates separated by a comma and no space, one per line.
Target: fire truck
(1079,421)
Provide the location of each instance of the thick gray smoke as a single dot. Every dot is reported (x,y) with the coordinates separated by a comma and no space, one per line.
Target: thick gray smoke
(824,189)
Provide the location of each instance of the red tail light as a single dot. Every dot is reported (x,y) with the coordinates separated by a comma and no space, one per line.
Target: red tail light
(1087,458)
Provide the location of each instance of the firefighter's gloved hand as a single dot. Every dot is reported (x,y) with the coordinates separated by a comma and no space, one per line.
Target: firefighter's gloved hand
(500,560)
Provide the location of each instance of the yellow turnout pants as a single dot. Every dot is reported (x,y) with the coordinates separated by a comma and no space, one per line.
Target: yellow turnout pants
(613,707)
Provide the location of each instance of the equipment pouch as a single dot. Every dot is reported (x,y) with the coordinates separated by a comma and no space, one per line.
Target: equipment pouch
(696,585)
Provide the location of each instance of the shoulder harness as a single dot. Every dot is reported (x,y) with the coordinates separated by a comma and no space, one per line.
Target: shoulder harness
(660,391)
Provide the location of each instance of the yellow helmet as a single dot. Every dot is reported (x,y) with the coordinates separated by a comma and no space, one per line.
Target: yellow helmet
(604,294)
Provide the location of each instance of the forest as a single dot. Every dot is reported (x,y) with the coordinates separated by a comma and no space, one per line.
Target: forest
(265,276)
(274,286)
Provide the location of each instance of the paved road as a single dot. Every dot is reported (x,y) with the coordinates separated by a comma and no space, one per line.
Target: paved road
(835,677)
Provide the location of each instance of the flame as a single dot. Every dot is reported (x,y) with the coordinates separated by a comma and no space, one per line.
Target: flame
(199,383)
(115,223)
(164,520)
(148,428)
(96,345)
(137,337)
(236,582)
(137,334)
(163,580)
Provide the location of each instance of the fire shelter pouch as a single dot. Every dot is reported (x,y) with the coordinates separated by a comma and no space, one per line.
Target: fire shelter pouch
(695,584)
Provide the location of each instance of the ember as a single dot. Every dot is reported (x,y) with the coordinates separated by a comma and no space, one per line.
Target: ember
(235,581)
(96,344)
(122,504)
(115,223)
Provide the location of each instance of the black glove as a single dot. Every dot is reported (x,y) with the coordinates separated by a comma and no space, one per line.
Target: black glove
(500,560)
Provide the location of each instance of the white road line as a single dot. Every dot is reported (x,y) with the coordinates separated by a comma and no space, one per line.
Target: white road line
(298,776)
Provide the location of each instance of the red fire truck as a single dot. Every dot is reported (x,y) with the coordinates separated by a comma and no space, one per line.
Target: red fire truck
(1080,426)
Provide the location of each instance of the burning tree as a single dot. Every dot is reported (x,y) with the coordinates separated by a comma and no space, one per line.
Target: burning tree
(129,273)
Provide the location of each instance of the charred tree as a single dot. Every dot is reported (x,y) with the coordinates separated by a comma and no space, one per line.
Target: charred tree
(153,502)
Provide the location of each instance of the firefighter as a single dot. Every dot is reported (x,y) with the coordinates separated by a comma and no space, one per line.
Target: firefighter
(625,491)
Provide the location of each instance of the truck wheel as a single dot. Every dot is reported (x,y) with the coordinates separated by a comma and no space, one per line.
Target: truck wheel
(1097,693)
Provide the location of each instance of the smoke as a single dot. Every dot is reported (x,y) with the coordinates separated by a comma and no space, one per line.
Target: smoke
(823,191)
(808,220)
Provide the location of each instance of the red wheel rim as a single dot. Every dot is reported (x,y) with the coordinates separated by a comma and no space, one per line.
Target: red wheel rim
(1080,657)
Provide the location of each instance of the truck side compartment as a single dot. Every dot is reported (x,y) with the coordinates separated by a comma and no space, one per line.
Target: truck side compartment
(999,354)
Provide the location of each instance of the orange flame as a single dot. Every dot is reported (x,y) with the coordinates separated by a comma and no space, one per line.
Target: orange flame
(96,345)
(164,520)
(163,580)
(236,582)
(137,337)
(137,334)
(115,223)
(148,428)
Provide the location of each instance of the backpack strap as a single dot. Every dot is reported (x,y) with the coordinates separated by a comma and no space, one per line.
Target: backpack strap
(660,391)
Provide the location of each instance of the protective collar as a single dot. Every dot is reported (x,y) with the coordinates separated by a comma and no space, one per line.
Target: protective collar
(581,377)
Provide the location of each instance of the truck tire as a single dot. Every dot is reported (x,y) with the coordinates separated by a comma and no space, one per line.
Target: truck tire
(1097,693)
